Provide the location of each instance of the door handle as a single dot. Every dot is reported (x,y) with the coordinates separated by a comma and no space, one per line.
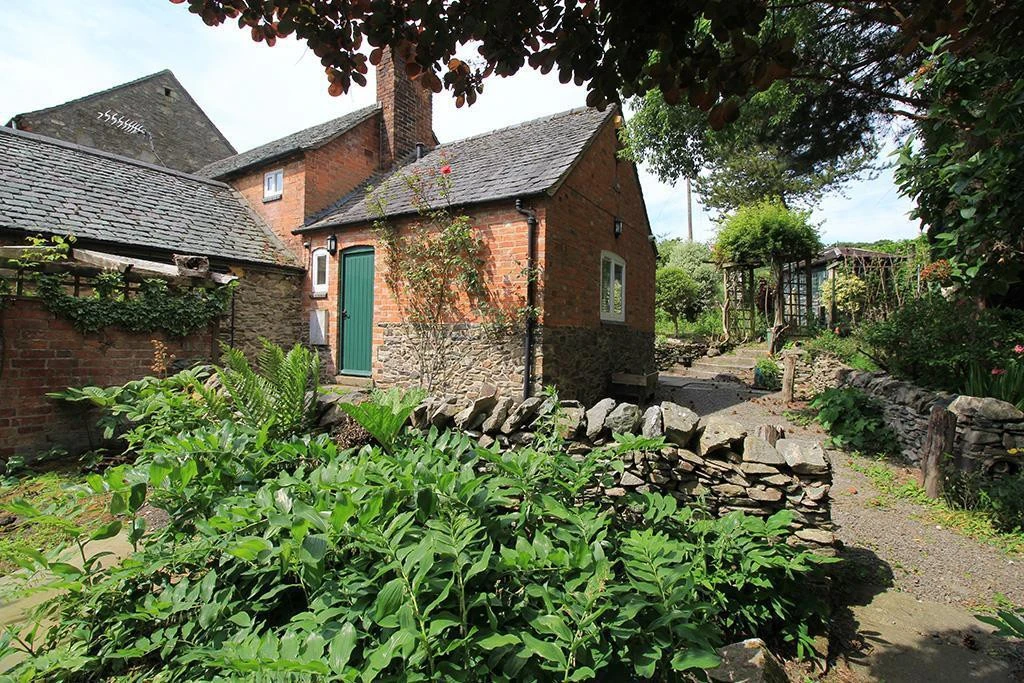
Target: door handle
(344,315)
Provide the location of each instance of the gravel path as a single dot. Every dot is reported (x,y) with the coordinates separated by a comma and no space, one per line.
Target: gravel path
(925,559)
(893,543)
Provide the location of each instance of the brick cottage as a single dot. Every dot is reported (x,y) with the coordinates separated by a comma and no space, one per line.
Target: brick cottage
(291,219)
(591,240)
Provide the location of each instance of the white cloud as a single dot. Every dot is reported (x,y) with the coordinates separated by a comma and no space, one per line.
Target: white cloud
(57,52)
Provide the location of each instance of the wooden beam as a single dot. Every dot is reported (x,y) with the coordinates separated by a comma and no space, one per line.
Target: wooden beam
(937,443)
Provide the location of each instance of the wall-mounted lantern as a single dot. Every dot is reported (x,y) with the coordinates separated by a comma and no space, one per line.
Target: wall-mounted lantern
(332,244)
(617,227)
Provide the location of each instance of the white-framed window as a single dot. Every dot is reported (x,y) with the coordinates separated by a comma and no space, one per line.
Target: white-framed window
(321,265)
(613,287)
(273,185)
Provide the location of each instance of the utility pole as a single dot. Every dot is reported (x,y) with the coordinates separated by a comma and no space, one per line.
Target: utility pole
(689,211)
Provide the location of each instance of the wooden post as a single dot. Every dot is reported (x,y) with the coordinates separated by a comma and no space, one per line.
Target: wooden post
(753,303)
(937,443)
(788,377)
(808,283)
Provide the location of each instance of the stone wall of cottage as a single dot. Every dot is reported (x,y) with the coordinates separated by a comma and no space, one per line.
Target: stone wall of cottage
(987,428)
(267,305)
(580,361)
(476,356)
(41,352)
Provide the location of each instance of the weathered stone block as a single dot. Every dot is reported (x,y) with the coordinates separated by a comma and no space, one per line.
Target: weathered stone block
(803,457)
(596,417)
(521,414)
(498,416)
(652,424)
(679,423)
(623,419)
(748,661)
(720,435)
(756,449)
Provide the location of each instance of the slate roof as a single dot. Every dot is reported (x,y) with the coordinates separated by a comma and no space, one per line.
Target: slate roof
(310,138)
(530,158)
(50,186)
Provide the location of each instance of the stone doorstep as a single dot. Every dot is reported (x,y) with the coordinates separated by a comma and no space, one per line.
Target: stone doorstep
(351,382)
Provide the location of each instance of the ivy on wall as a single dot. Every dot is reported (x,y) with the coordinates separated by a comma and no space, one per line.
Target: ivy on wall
(155,307)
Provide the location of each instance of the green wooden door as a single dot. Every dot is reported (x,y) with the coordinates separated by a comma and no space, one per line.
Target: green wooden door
(356,313)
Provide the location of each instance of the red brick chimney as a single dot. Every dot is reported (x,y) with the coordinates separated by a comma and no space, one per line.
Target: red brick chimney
(408,112)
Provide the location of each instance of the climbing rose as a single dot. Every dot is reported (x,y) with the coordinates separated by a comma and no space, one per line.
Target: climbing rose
(446,169)
(1019,348)
(998,371)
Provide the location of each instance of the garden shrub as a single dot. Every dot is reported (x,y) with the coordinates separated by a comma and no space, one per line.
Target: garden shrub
(431,559)
(853,421)
(768,374)
(934,342)
(845,348)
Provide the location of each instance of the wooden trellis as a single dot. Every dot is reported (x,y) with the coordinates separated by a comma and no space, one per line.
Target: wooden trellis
(797,295)
(739,317)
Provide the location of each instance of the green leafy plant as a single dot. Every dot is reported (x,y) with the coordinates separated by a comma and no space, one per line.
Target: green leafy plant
(434,560)
(281,393)
(385,415)
(845,348)
(1005,383)
(934,342)
(768,374)
(853,420)
(847,292)
(676,295)
(1008,624)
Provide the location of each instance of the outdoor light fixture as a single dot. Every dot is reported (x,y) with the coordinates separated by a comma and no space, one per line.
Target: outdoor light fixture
(332,244)
(618,227)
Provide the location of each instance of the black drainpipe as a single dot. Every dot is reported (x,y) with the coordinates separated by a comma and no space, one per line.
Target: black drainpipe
(531,257)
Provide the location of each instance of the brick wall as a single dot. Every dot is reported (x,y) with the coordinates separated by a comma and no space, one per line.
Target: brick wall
(41,352)
(499,225)
(286,213)
(407,109)
(340,166)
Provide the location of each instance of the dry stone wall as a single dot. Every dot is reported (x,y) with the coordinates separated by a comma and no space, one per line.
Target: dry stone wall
(987,429)
(719,463)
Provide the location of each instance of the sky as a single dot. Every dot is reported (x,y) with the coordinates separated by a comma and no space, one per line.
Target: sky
(56,51)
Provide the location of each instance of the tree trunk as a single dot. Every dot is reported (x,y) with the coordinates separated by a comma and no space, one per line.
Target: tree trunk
(937,443)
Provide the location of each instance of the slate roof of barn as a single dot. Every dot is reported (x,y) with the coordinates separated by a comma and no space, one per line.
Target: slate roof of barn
(55,187)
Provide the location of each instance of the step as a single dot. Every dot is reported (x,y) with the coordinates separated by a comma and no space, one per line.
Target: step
(696,373)
(353,382)
(725,362)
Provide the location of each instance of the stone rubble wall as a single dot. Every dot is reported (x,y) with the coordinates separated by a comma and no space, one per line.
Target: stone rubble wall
(816,374)
(669,353)
(710,459)
(986,429)
(579,361)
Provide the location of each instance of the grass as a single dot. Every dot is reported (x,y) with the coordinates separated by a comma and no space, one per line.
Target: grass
(51,490)
(974,524)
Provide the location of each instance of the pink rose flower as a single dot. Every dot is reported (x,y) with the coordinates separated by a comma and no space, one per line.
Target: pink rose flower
(1019,348)
(998,371)
(446,169)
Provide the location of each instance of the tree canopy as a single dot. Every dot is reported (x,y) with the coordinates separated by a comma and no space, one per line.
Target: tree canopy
(964,166)
(767,233)
(676,294)
(797,139)
(707,52)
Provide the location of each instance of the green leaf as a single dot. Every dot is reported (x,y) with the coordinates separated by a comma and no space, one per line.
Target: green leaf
(108,530)
(684,660)
(249,547)
(389,599)
(542,648)
(241,619)
(340,649)
(497,640)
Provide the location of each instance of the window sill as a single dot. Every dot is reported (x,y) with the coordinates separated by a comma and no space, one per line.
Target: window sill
(273,198)
(609,321)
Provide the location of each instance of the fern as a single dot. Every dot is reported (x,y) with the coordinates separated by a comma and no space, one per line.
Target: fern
(280,395)
(384,414)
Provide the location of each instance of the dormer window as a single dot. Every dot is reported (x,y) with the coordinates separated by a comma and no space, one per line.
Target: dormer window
(273,185)
(321,261)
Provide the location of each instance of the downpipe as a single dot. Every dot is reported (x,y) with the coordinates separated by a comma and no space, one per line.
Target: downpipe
(531,296)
